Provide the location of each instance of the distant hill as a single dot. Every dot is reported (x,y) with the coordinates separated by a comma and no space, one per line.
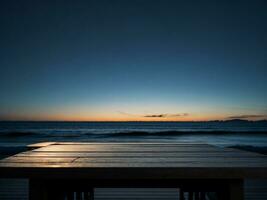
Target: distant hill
(239,121)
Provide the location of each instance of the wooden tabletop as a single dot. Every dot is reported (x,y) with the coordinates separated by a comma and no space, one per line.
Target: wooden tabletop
(134,160)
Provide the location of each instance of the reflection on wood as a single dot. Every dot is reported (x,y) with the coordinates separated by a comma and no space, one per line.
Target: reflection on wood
(72,170)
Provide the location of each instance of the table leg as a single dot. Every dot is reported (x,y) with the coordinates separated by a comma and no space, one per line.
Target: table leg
(92,194)
(45,190)
(37,190)
(233,190)
(181,194)
(236,190)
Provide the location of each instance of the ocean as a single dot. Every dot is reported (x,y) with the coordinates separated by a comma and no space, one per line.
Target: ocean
(234,132)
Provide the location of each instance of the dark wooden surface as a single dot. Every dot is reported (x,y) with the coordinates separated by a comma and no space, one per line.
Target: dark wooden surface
(134,160)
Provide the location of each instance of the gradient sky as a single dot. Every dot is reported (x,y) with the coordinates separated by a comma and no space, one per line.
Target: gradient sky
(133,60)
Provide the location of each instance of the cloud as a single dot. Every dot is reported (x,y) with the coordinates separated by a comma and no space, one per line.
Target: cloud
(167,115)
(179,115)
(161,115)
(246,116)
(128,114)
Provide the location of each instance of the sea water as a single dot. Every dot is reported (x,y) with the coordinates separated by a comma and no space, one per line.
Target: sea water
(235,132)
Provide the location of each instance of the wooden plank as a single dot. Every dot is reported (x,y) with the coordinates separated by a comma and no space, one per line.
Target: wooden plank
(14,159)
(44,144)
(125,144)
(191,165)
(39,145)
(187,156)
(166,161)
(227,160)
(131,143)
(144,148)
(156,160)
(140,154)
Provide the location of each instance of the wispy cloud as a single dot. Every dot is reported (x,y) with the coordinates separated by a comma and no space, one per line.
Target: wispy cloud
(247,116)
(155,116)
(128,114)
(167,115)
(161,115)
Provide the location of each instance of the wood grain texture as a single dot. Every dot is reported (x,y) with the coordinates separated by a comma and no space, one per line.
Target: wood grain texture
(134,160)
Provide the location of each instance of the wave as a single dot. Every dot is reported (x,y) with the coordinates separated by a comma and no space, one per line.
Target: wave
(17,134)
(76,134)
(20,134)
(173,133)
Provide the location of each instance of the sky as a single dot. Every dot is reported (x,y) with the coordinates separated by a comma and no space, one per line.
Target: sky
(138,60)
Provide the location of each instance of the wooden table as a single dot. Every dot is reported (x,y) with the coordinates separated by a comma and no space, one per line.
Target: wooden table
(73,170)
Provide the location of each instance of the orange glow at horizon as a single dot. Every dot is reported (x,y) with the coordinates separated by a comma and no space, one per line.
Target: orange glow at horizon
(134,112)
(114,118)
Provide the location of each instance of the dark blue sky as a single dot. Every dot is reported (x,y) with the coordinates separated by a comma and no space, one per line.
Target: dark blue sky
(128,60)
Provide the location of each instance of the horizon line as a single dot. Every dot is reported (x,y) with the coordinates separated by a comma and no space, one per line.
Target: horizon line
(224,120)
